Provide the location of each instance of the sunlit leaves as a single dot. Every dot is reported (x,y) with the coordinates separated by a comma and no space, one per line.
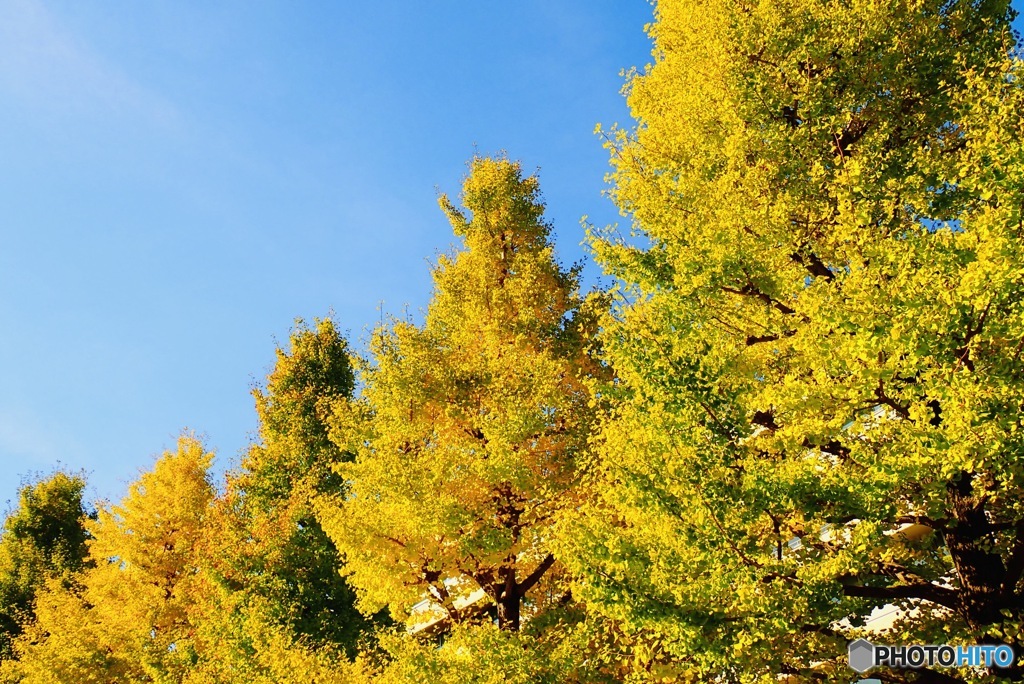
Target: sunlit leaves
(821,335)
(470,429)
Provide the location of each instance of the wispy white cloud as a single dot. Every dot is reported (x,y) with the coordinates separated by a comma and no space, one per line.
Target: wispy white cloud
(45,67)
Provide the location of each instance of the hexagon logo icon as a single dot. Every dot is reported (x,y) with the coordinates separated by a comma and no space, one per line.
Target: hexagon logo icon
(862,655)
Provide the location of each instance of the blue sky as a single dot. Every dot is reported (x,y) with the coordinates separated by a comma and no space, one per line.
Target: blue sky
(180,180)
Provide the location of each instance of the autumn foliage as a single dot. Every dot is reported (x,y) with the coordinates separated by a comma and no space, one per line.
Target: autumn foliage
(797,407)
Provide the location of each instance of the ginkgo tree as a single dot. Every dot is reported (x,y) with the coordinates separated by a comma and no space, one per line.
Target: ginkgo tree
(470,433)
(818,340)
(127,617)
(43,540)
(265,545)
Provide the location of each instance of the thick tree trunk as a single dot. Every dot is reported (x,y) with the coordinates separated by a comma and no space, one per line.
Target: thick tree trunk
(508,593)
(508,602)
(983,576)
(981,572)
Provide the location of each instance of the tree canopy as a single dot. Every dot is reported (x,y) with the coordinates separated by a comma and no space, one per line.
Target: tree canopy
(469,432)
(270,545)
(128,614)
(793,420)
(818,342)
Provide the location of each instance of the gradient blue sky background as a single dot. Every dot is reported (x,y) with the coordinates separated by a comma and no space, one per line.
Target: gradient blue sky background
(179,180)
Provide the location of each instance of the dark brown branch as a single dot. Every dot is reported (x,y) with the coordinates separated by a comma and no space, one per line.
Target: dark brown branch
(813,264)
(399,542)
(964,352)
(535,576)
(711,414)
(759,59)
(440,592)
(750,290)
(899,572)
(942,596)
(758,339)
(852,133)
(886,400)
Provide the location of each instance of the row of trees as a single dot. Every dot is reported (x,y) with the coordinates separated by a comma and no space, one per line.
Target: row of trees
(708,473)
